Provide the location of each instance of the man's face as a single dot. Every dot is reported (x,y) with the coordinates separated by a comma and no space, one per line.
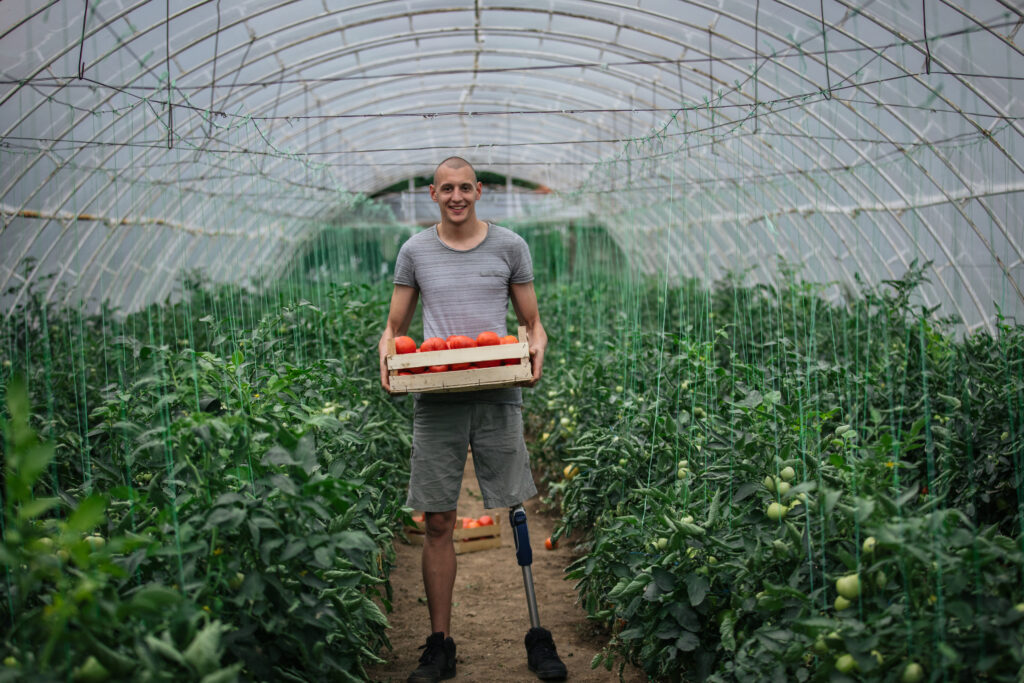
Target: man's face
(456,190)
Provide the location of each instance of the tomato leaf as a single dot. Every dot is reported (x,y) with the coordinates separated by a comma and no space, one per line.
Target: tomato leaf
(696,588)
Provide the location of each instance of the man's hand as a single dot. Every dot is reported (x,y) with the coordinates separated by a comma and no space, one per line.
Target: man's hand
(383,348)
(403,305)
(524,301)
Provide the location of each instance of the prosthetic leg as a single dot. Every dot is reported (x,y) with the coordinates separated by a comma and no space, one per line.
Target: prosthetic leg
(541,655)
(524,555)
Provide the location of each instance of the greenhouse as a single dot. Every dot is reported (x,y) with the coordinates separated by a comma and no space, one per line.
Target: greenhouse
(777,425)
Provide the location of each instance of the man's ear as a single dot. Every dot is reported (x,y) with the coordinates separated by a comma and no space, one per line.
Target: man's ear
(433,193)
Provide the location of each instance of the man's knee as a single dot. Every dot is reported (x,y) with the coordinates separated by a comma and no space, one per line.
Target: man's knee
(439,525)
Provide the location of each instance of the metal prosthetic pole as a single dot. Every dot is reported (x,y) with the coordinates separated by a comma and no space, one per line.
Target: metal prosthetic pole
(517,520)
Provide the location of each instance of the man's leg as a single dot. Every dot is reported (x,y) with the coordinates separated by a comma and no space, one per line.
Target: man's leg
(439,566)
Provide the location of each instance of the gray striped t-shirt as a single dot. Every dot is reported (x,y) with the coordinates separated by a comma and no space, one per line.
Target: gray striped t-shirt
(465,292)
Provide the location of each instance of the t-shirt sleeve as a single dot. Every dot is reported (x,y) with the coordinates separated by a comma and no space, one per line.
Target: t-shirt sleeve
(520,263)
(405,271)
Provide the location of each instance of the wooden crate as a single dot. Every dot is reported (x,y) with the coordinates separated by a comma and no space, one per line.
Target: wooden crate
(466,540)
(472,379)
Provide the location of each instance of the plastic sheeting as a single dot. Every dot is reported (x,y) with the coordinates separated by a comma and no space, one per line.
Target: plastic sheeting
(141,140)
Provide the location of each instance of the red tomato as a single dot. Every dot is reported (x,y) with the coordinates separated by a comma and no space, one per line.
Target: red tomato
(405,345)
(473,524)
(460,341)
(549,544)
(488,339)
(486,520)
(510,339)
(435,344)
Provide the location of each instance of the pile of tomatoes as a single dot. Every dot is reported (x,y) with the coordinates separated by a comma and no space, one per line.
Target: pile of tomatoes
(463,522)
(405,345)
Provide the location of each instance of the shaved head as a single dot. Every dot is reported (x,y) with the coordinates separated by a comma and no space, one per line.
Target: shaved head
(454,163)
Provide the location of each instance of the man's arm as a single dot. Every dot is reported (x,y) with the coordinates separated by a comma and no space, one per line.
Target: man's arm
(403,306)
(524,301)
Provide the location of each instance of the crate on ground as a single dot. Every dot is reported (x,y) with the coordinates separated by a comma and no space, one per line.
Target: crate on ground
(466,540)
(460,380)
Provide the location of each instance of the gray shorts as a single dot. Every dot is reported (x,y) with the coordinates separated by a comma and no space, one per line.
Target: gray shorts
(441,435)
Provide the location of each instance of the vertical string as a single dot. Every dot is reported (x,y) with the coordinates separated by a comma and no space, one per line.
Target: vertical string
(924,30)
(167,61)
(824,40)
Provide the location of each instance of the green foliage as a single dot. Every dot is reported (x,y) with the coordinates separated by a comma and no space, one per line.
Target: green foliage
(691,412)
(222,509)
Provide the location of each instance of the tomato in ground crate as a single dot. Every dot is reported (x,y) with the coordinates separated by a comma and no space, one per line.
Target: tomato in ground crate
(488,339)
(435,344)
(486,520)
(510,339)
(460,341)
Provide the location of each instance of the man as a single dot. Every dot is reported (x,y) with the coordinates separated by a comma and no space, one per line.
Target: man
(465,271)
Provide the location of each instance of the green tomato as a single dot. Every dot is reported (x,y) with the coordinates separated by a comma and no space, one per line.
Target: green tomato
(848,586)
(782,487)
(662,543)
(10,661)
(687,519)
(91,671)
(842,603)
(776,511)
(869,545)
(846,663)
(787,474)
(95,541)
(769,483)
(623,462)
(820,646)
(236,581)
(912,673)
(881,579)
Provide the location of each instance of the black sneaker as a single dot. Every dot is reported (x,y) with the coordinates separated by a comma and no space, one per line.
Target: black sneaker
(437,663)
(542,657)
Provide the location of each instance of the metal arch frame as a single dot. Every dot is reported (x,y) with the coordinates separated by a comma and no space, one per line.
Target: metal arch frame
(966,282)
(925,222)
(75,123)
(144,32)
(895,114)
(799,188)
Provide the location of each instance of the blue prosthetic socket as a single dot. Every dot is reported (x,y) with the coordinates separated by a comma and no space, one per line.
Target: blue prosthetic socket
(524,555)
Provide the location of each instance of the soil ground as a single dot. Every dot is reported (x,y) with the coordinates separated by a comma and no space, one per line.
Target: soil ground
(489,616)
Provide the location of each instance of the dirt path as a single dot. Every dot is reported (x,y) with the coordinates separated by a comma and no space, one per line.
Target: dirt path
(490,618)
